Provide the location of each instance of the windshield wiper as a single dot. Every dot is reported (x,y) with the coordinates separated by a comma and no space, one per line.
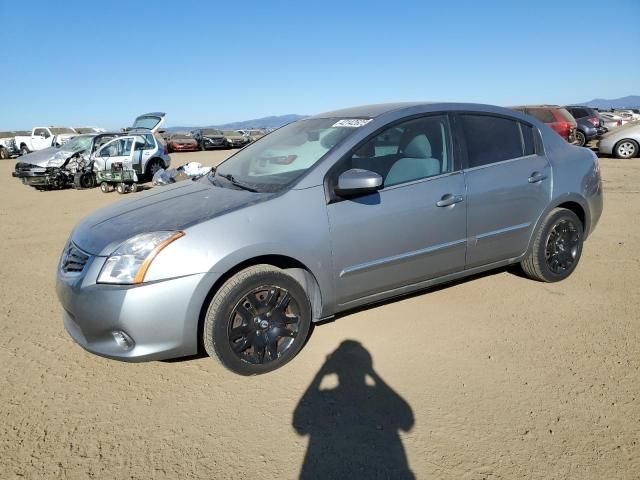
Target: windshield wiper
(235,182)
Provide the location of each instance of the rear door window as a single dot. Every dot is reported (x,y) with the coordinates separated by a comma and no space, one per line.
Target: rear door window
(491,139)
(527,139)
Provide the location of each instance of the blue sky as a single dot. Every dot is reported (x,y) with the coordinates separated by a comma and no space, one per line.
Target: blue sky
(103,63)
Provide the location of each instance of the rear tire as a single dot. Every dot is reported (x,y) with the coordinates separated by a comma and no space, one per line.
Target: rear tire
(24,150)
(153,166)
(581,139)
(626,149)
(557,247)
(257,321)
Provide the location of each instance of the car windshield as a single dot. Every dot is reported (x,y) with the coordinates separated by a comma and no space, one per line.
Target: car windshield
(61,130)
(210,131)
(230,133)
(283,156)
(78,144)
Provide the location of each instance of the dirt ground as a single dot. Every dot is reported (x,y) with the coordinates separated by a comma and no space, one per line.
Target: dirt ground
(497,377)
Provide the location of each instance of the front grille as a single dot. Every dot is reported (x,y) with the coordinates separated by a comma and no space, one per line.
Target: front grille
(73,259)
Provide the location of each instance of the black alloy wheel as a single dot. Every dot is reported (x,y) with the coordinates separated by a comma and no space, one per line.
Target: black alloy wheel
(556,247)
(257,321)
(562,246)
(264,324)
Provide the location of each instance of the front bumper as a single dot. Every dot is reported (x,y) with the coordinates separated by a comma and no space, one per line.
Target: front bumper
(159,319)
(605,145)
(35,176)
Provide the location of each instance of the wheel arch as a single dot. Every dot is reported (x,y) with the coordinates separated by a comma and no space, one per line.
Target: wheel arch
(153,159)
(574,203)
(299,271)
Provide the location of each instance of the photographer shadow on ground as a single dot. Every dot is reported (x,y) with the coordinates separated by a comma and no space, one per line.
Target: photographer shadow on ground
(353,425)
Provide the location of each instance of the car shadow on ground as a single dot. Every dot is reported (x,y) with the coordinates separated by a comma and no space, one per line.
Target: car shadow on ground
(353,419)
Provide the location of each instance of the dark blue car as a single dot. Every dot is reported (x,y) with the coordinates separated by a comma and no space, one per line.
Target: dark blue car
(589,126)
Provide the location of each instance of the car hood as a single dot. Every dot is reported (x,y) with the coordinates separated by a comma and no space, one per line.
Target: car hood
(47,157)
(174,207)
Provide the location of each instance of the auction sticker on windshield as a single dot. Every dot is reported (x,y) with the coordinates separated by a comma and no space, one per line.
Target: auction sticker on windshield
(351,122)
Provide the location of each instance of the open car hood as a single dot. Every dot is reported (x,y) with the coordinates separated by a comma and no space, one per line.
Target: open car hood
(150,121)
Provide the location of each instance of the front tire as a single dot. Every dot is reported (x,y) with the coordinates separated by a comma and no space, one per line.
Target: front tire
(257,321)
(4,154)
(557,247)
(626,149)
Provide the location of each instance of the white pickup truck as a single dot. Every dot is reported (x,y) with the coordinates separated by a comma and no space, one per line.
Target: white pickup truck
(43,137)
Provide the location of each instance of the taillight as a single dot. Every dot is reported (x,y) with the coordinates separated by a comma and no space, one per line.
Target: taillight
(594,121)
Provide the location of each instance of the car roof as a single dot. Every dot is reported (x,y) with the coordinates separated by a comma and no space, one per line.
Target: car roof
(536,106)
(369,111)
(378,109)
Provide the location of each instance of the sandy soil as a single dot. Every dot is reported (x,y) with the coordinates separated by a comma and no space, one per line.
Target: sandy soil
(495,377)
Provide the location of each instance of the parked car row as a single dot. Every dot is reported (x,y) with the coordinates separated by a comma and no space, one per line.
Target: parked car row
(210,139)
(15,143)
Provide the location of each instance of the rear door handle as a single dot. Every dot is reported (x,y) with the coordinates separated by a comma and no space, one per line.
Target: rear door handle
(449,199)
(537,177)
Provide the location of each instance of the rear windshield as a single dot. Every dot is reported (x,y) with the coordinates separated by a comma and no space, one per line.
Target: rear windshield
(564,113)
(542,114)
(146,122)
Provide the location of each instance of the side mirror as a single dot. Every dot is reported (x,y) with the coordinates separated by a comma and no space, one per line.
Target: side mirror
(358,182)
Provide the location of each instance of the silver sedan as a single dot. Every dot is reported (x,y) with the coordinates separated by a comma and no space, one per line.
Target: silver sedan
(623,142)
(326,214)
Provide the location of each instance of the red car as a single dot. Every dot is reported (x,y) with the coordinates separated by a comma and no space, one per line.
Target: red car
(556,117)
(179,142)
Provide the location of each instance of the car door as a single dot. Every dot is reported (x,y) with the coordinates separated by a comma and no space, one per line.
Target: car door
(508,180)
(414,228)
(118,150)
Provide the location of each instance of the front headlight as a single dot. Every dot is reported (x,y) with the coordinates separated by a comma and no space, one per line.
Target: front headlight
(129,263)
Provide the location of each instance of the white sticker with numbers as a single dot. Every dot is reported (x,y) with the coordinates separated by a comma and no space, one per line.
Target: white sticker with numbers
(352,122)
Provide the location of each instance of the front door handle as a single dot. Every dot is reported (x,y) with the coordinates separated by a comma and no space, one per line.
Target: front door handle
(537,177)
(449,199)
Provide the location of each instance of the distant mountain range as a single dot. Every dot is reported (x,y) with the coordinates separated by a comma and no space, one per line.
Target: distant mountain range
(275,121)
(631,101)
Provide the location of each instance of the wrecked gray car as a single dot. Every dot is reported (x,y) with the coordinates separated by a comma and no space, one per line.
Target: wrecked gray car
(59,167)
